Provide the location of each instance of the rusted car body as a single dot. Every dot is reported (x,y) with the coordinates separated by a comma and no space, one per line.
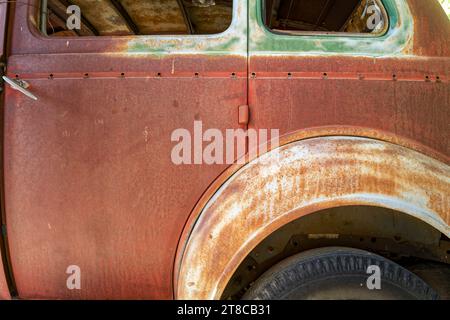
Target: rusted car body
(87,174)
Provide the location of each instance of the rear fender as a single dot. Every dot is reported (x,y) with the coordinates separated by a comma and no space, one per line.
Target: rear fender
(298,179)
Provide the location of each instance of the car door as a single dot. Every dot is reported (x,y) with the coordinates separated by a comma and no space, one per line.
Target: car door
(391,85)
(94,203)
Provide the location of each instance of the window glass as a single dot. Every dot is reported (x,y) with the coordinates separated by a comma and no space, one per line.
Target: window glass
(61,18)
(325,16)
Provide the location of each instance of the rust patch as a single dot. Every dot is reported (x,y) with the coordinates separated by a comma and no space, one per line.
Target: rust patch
(263,196)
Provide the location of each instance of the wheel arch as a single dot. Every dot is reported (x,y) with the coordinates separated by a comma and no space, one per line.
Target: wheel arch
(297,179)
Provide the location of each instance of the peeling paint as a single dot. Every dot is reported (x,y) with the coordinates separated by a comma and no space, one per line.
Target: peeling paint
(311,175)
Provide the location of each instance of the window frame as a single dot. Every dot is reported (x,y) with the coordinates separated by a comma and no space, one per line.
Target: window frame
(40,14)
(229,42)
(264,41)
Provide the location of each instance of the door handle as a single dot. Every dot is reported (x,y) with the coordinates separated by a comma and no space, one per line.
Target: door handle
(20,85)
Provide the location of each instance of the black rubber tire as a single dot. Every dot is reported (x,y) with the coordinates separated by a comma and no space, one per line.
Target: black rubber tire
(336,273)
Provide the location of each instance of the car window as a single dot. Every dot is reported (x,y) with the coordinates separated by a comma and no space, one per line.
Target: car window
(61,18)
(325,16)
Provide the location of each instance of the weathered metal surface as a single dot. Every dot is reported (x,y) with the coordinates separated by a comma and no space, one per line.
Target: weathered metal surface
(309,133)
(411,108)
(87,185)
(388,84)
(4,290)
(88,175)
(389,88)
(302,178)
(85,179)
(398,40)
(2,29)
(431,29)
(412,25)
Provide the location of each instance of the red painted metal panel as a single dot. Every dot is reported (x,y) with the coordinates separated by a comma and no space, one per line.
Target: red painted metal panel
(88,173)
(432,29)
(4,291)
(404,96)
(410,107)
(90,182)
(2,28)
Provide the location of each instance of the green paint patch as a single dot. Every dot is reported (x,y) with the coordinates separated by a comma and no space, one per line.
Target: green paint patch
(233,41)
(393,42)
(262,41)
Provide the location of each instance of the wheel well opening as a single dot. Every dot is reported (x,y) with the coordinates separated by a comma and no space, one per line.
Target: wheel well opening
(395,235)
